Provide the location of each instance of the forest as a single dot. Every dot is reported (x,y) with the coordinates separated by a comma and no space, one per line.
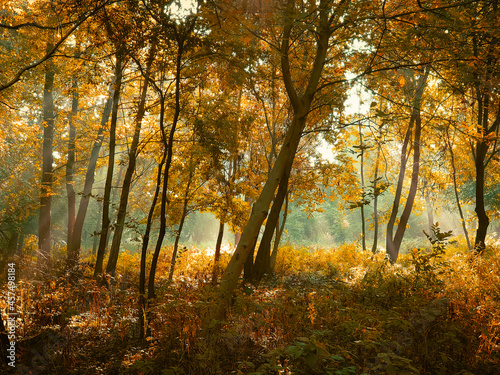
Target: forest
(249,187)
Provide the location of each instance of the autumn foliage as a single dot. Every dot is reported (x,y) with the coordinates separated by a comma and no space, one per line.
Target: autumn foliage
(317,141)
(338,311)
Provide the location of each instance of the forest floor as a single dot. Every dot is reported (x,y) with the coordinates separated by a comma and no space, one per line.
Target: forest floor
(339,311)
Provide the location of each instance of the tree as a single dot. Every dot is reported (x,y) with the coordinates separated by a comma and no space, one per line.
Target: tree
(75,240)
(414,130)
(329,19)
(45,217)
(111,162)
(132,157)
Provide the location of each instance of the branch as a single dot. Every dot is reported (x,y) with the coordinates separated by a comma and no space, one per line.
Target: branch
(52,51)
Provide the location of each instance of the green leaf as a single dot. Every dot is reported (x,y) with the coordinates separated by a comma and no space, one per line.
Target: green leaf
(311,360)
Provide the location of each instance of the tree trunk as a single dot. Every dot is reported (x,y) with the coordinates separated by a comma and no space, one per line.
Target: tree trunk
(169,147)
(482,217)
(301,106)
(430,213)
(76,239)
(375,202)
(218,244)
(260,209)
(277,237)
(127,180)
(70,164)
(177,239)
(262,264)
(182,221)
(145,242)
(485,133)
(111,163)
(362,162)
(45,218)
(394,243)
(455,189)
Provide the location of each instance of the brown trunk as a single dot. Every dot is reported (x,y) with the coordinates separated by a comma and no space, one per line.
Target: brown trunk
(218,244)
(70,164)
(45,218)
(111,163)
(169,147)
(262,264)
(181,223)
(394,244)
(375,203)
(277,237)
(127,180)
(76,239)
(455,189)
(362,162)
(145,241)
(482,217)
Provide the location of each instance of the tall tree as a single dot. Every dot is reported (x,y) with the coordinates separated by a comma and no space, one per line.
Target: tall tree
(412,140)
(75,241)
(70,163)
(129,172)
(45,217)
(117,86)
(327,18)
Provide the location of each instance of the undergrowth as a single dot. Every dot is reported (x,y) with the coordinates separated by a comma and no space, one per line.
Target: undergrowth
(341,311)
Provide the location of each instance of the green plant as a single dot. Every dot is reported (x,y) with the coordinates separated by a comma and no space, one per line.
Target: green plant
(428,264)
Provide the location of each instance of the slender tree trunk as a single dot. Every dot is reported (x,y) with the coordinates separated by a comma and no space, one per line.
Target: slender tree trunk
(218,244)
(394,243)
(95,243)
(455,189)
(76,239)
(375,202)
(115,192)
(362,162)
(430,213)
(127,180)
(111,163)
(262,263)
(177,238)
(480,161)
(181,222)
(45,218)
(277,237)
(145,242)
(482,217)
(169,147)
(70,164)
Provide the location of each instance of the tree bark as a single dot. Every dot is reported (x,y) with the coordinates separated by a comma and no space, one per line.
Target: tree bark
(169,147)
(177,239)
(218,244)
(455,189)
(45,218)
(70,164)
(279,233)
(127,180)
(76,239)
(362,175)
(393,244)
(375,202)
(482,87)
(262,264)
(145,242)
(111,163)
